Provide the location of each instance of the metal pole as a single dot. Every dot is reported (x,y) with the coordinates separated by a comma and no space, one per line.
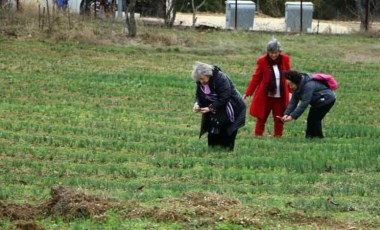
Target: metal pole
(236,14)
(258,6)
(301,16)
(366,15)
(120,9)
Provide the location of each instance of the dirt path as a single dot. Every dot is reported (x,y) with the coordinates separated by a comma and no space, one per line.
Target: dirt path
(264,23)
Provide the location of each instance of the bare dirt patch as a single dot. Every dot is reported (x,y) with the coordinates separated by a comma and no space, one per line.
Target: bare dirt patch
(191,210)
(70,204)
(365,55)
(196,210)
(27,225)
(65,202)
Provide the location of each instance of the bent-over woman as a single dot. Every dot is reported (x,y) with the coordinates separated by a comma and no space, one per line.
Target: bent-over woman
(307,91)
(221,105)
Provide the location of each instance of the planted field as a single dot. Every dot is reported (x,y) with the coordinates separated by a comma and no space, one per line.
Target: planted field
(103,137)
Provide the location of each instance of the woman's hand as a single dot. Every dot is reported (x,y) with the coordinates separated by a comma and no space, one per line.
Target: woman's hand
(204,110)
(286,118)
(196,108)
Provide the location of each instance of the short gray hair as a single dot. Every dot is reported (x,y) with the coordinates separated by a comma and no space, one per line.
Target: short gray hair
(201,69)
(273,45)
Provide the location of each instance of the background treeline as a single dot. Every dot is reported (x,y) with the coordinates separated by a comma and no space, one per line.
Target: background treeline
(323,9)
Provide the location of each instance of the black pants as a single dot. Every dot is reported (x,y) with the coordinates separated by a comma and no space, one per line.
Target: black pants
(314,120)
(222,140)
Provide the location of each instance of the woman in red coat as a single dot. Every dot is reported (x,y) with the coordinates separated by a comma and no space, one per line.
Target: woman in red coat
(269,88)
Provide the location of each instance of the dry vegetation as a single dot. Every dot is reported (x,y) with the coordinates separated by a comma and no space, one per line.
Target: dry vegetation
(30,24)
(60,26)
(193,210)
(65,203)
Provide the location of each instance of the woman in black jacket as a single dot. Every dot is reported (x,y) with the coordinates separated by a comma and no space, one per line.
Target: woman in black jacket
(221,105)
(308,92)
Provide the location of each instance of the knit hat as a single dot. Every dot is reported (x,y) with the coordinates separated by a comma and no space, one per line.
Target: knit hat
(273,45)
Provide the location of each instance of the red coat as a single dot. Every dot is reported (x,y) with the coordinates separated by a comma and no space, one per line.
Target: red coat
(260,79)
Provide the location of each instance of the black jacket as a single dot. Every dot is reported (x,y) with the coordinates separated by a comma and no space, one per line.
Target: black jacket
(226,91)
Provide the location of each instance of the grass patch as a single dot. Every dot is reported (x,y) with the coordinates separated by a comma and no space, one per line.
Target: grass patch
(112,118)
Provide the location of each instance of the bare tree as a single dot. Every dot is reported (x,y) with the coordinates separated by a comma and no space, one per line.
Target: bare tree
(366,9)
(169,12)
(130,18)
(195,10)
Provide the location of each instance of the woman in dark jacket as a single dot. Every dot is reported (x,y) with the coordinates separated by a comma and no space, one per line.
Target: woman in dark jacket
(221,105)
(310,92)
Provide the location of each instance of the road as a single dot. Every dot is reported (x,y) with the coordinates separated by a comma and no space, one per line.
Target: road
(264,23)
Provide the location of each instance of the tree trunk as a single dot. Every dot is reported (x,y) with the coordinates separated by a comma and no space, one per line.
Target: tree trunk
(170,13)
(194,13)
(366,9)
(130,18)
(195,10)
(172,19)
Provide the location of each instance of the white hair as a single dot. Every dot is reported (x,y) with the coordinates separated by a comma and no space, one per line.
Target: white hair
(201,69)
(273,45)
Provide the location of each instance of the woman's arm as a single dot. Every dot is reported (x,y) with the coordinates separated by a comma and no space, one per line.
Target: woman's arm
(223,89)
(292,105)
(257,77)
(305,97)
(286,62)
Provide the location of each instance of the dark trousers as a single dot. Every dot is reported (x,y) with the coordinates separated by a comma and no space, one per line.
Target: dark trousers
(314,120)
(222,140)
